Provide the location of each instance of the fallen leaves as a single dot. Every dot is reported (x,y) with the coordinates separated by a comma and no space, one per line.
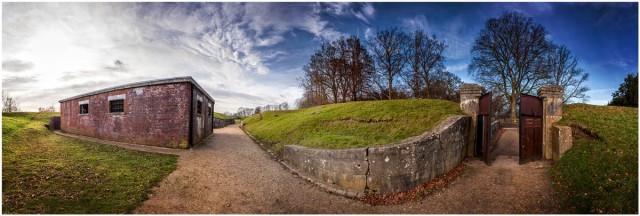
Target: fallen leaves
(419,192)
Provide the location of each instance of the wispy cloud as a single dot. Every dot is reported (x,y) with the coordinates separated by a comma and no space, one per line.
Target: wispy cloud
(366,12)
(527,8)
(453,32)
(64,49)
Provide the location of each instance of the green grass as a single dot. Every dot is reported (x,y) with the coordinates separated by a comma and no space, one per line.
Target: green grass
(600,175)
(221,116)
(350,125)
(46,173)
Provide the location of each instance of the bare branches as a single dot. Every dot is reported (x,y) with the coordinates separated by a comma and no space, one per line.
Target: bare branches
(564,71)
(400,66)
(9,104)
(389,49)
(509,55)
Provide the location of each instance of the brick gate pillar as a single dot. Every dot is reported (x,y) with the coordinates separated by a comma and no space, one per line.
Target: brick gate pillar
(469,103)
(552,112)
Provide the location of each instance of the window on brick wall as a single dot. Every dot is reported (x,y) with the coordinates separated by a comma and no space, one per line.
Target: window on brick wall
(116,106)
(209,111)
(199,107)
(84,108)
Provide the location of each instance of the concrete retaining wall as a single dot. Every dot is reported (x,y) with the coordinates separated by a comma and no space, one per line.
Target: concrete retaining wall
(384,169)
(220,123)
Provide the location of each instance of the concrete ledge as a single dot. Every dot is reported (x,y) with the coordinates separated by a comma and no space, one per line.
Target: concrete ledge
(561,140)
(384,169)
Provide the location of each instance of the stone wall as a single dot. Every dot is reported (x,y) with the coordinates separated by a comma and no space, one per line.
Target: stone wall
(469,103)
(552,111)
(384,169)
(562,140)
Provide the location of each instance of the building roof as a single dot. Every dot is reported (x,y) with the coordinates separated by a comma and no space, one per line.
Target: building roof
(188,79)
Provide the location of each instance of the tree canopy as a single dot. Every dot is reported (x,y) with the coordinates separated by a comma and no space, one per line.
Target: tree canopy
(627,93)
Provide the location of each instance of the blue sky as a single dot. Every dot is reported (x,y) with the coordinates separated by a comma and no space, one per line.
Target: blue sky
(251,54)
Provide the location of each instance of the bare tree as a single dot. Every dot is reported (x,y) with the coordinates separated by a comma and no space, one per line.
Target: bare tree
(389,49)
(284,106)
(564,71)
(9,104)
(427,58)
(444,85)
(338,71)
(360,69)
(508,55)
(244,112)
(47,109)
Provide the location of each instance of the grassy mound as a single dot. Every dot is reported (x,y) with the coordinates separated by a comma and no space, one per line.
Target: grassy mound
(221,116)
(46,173)
(350,125)
(599,174)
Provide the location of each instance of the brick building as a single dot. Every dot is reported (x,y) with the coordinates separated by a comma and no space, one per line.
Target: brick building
(174,113)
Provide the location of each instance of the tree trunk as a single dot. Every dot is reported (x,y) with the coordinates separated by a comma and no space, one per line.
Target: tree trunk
(390,86)
(512,103)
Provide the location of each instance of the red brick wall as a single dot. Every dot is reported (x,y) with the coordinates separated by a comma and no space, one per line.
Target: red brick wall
(202,124)
(153,115)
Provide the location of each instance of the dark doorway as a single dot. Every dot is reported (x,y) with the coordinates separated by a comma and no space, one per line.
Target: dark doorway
(530,128)
(483,137)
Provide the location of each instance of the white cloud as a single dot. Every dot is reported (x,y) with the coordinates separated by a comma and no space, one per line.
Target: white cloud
(416,22)
(366,12)
(337,8)
(458,68)
(453,32)
(56,50)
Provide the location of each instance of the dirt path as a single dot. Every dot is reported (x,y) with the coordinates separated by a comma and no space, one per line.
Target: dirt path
(231,174)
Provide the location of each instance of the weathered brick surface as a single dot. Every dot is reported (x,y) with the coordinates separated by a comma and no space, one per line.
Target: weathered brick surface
(156,115)
(202,124)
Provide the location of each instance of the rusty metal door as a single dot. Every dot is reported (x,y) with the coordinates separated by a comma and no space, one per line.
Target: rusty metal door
(484,127)
(530,128)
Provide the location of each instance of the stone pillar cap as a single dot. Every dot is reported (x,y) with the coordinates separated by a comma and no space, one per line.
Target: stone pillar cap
(471,88)
(551,90)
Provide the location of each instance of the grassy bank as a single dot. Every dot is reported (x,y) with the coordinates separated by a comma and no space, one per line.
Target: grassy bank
(46,173)
(350,125)
(221,116)
(599,174)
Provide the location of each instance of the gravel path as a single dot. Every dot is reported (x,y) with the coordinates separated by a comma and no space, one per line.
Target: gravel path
(231,174)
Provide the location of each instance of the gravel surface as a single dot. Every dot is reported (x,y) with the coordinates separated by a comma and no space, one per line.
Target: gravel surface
(231,174)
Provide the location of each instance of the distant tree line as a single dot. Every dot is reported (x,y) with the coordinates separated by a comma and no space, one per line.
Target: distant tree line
(50,108)
(246,112)
(390,65)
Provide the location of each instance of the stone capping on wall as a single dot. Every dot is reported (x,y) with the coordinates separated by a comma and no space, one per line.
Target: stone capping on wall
(383,169)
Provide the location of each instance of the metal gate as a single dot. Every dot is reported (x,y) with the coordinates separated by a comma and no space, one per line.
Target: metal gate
(483,137)
(530,128)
